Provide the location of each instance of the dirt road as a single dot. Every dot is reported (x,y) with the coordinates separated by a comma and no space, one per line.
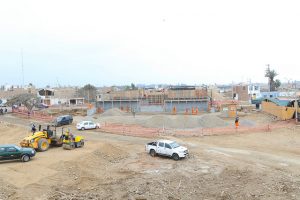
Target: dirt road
(245,166)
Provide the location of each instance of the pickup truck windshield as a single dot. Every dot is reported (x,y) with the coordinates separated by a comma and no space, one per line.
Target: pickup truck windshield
(174,145)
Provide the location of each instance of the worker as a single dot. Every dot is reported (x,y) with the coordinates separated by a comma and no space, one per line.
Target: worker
(236,122)
(33,129)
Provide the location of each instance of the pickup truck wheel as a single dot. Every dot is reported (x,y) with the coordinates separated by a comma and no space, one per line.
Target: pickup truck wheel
(25,158)
(152,153)
(82,128)
(175,156)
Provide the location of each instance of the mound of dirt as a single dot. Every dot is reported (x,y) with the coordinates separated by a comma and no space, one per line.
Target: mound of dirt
(165,121)
(11,133)
(113,112)
(179,122)
(210,121)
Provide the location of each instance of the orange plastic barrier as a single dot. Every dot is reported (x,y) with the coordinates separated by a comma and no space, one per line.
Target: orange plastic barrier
(139,131)
(33,114)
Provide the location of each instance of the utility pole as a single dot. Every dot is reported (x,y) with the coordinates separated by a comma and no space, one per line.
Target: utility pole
(269,81)
(22,67)
(296,108)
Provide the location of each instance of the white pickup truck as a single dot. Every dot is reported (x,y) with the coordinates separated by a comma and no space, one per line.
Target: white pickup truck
(167,148)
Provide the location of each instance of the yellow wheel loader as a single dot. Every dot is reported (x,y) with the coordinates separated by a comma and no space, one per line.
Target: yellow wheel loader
(42,139)
(71,141)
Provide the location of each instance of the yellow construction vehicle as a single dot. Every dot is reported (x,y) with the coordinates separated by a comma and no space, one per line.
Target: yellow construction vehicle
(42,139)
(71,141)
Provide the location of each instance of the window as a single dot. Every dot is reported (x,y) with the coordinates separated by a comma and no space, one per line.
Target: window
(2,149)
(86,123)
(91,124)
(168,146)
(161,144)
(174,145)
(11,149)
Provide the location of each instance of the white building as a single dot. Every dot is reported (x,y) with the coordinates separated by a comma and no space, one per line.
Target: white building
(254,91)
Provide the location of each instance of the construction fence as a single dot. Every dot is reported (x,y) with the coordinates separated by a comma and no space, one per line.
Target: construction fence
(33,114)
(139,131)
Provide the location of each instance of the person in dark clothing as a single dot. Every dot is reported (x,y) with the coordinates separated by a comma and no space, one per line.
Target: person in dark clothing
(33,129)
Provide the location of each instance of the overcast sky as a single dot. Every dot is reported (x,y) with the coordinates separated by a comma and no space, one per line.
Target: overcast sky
(157,41)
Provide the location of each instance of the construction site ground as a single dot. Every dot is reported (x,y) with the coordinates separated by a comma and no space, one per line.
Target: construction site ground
(258,165)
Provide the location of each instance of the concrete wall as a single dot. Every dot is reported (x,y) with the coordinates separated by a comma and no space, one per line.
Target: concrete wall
(181,106)
(168,106)
(152,108)
(122,105)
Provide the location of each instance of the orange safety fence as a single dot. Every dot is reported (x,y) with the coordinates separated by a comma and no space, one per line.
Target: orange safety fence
(33,114)
(233,129)
(136,130)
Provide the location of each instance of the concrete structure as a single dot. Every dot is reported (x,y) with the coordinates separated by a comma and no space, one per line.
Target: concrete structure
(180,98)
(227,108)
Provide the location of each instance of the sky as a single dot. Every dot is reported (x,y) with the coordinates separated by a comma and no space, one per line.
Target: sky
(71,42)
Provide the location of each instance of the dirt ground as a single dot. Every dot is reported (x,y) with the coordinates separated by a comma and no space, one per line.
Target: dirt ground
(239,166)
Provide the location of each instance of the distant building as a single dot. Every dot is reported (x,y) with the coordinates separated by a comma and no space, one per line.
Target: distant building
(240,92)
(254,91)
(225,88)
(60,96)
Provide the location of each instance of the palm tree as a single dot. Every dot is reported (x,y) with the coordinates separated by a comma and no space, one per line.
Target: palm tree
(271,74)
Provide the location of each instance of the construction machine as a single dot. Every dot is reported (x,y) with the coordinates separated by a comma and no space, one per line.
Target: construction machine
(71,141)
(42,139)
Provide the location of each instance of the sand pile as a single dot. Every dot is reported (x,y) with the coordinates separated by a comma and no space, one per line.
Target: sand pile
(210,121)
(183,121)
(114,112)
(179,122)
(160,121)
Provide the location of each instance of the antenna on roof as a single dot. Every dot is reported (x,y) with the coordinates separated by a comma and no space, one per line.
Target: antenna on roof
(58,85)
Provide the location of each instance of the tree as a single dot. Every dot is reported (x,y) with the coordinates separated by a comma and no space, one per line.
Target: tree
(133,86)
(277,83)
(271,74)
(89,92)
(27,99)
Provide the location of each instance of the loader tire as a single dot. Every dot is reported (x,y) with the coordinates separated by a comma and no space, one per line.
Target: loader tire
(43,145)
